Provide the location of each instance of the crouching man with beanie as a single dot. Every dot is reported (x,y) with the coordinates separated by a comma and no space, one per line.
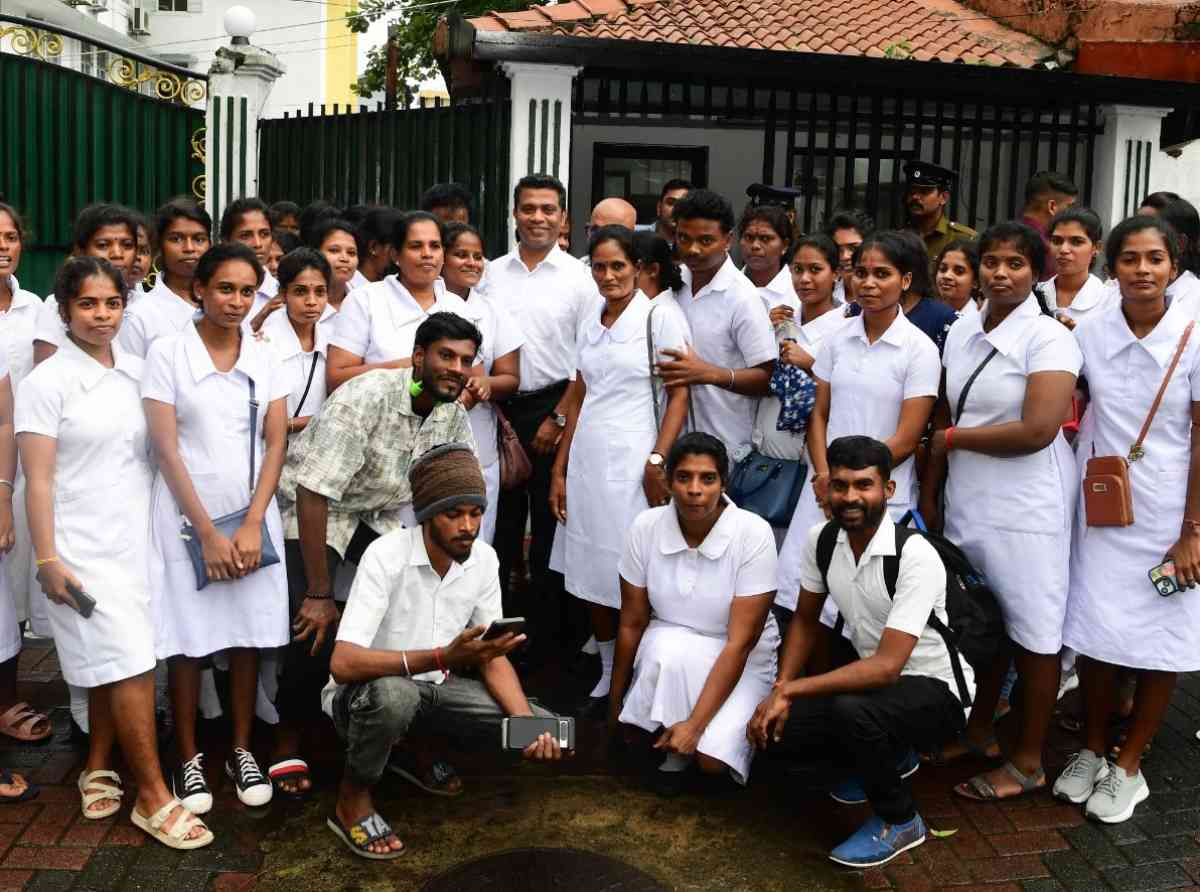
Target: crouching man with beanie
(421,601)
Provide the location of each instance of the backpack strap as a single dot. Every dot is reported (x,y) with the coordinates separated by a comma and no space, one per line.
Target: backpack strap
(826,542)
(891,573)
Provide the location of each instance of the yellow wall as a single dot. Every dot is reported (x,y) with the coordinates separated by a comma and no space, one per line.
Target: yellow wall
(341,54)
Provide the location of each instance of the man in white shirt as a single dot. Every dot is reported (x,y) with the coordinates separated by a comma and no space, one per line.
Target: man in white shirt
(421,601)
(547,290)
(733,355)
(904,691)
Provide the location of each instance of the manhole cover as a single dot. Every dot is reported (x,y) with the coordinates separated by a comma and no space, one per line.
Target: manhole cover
(551,870)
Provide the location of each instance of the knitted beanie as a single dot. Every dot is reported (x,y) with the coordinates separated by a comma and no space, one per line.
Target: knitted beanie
(443,477)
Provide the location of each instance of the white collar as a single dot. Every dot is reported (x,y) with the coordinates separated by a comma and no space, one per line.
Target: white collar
(1088,297)
(720,282)
(896,334)
(781,284)
(89,372)
(882,544)
(418,556)
(629,326)
(1161,343)
(1005,336)
(671,539)
(249,361)
(21,299)
(557,258)
(278,331)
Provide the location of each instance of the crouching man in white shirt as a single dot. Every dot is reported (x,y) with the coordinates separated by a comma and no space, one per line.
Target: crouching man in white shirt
(421,601)
(902,693)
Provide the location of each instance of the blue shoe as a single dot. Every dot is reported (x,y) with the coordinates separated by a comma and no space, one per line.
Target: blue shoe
(876,843)
(849,791)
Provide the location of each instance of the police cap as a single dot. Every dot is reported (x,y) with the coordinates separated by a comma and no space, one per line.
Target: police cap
(783,196)
(922,173)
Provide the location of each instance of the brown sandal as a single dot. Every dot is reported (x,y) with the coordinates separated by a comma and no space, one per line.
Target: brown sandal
(20,720)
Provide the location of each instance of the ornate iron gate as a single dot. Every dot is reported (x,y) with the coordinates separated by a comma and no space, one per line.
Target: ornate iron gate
(120,128)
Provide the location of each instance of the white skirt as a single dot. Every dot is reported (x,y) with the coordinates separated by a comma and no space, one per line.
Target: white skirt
(669,672)
(491,487)
(247,612)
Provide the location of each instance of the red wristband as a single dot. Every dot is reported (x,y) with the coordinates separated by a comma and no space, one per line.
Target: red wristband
(949,434)
(437,658)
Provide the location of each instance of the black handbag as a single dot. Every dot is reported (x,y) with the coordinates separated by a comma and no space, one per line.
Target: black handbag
(228,524)
(769,487)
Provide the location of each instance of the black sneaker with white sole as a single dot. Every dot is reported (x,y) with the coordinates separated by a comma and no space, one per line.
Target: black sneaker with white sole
(189,786)
(253,787)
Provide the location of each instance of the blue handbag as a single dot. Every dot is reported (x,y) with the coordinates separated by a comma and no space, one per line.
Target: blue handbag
(770,487)
(228,524)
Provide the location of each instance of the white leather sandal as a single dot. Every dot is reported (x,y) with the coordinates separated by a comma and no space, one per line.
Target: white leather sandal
(176,837)
(92,789)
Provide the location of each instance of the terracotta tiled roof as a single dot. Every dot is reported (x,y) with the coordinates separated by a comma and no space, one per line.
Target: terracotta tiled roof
(939,30)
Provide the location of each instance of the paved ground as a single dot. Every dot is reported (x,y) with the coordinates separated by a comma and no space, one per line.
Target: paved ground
(771,836)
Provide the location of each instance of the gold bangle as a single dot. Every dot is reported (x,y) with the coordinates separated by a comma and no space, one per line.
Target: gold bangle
(41,562)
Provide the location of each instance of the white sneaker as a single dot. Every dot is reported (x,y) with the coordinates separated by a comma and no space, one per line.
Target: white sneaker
(253,788)
(1117,796)
(1078,780)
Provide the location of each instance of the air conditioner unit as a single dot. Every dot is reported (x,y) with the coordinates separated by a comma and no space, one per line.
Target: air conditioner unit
(139,22)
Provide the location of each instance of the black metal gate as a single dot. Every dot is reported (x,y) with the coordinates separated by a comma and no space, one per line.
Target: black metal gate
(390,156)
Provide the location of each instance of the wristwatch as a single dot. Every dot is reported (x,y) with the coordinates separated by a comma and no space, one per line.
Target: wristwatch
(560,420)
(655,459)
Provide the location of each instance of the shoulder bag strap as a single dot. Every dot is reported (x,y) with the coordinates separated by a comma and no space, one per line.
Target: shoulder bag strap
(312,371)
(650,364)
(253,434)
(962,396)
(1136,450)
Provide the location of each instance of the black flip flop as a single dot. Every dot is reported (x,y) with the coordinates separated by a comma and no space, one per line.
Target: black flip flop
(362,833)
(31,791)
(295,770)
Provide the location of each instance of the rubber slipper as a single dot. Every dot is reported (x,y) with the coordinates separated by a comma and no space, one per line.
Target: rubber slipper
(93,789)
(435,780)
(980,789)
(31,791)
(177,837)
(362,833)
(293,770)
(19,721)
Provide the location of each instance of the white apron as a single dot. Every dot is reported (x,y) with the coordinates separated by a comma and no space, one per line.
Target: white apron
(614,436)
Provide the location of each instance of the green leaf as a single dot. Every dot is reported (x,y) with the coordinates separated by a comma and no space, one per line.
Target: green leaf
(942,834)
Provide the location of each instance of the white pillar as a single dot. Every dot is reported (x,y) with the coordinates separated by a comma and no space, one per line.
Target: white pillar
(540,133)
(239,82)
(1128,162)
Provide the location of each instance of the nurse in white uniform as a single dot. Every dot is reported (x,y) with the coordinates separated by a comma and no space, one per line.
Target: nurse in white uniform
(85,447)
(609,466)
(183,227)
(1115,617)
(877,375)
(1011,489)
(376,325)
(812,269)
(658,275)
(1075,236)
(498,362)
(956,277)
(248,222)
(18,318)
(342,245)
(200,390)
(697,642)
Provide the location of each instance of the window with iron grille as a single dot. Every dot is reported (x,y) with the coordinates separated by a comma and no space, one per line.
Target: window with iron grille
(176,5)
(637,173)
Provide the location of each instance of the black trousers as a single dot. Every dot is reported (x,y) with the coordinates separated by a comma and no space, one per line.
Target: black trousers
(303,674)
(867,732)
(526,412)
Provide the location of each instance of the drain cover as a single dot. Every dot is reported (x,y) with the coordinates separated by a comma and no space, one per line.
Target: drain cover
(545,870)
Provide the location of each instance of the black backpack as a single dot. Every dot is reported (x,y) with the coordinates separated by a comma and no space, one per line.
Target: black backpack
(976,627)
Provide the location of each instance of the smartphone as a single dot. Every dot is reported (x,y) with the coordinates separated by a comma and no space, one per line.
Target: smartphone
(515,624)
(517,732)
(85,601)
(1163,579)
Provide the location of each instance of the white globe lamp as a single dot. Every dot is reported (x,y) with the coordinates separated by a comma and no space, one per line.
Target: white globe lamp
(239,24)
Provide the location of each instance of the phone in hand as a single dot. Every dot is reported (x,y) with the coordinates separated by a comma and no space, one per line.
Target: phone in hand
(500,627)
(1164,580)
(85,601)
(519,731)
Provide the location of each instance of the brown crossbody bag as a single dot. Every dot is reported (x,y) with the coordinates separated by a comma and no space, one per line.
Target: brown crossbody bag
(1107,489)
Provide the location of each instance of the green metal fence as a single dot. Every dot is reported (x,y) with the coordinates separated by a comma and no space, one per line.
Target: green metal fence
(389,157)
(70,139)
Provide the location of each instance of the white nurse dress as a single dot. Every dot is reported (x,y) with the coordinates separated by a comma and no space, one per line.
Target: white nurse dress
(691,591)
(614,435)
(1012,515)
(1113,613)
(212,412)
(102,481)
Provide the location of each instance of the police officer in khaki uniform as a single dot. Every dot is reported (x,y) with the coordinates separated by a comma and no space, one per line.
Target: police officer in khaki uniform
(926,198)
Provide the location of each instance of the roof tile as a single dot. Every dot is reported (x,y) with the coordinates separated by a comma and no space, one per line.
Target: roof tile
(926,29)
